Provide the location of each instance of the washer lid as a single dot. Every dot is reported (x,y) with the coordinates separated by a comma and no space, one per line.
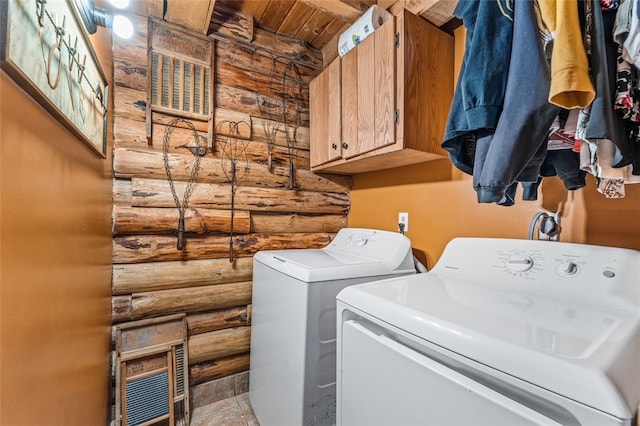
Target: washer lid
(581,352)
(313,265)
(353,253)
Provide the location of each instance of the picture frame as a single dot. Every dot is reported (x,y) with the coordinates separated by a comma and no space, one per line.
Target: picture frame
(46,50)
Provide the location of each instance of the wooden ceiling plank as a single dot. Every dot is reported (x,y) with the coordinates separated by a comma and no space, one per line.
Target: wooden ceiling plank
(333,28)
(275,13)
(386,4)
(336,8)
(314,26)
(253,8)
(295,19)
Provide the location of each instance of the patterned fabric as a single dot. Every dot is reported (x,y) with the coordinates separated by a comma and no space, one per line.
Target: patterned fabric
(626,99)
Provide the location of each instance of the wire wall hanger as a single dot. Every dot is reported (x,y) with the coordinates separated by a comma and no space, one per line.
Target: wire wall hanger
(269,126)
(288,85)
(234,151)
(292,86)
(198,151)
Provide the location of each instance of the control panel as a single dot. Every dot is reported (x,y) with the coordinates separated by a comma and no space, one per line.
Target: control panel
(577,271)
(374,244)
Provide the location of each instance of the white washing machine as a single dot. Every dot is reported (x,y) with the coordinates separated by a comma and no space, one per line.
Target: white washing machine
(499,332)
(293,323)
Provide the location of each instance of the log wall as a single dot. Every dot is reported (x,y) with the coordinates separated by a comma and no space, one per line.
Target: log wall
(151,277)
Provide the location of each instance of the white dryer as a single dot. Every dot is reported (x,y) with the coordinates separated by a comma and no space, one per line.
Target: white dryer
(500,332)
(293,323)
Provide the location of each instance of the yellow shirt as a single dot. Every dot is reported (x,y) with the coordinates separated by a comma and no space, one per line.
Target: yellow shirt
(571,85)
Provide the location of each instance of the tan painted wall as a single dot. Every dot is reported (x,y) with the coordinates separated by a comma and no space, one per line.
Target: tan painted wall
(441,208)
(442,205)
(55,269)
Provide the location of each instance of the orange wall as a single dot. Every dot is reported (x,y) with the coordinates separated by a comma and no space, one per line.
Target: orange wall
(442,207)
(55,269)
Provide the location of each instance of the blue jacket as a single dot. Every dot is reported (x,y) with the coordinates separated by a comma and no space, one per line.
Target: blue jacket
(479,95)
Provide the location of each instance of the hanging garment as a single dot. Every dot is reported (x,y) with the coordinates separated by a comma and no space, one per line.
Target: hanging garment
(606,149)
(515,152)
(606,128)
(479,95)
(570,83)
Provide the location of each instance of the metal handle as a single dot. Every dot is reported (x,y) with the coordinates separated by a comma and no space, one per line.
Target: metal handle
(181,233)
(345,146)
(334,146)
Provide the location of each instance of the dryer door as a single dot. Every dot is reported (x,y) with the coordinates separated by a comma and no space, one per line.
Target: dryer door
(385,383)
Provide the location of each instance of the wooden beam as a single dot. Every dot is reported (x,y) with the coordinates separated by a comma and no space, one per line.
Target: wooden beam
(336,8)
(194,14)
(166,275)
(439,12)
(219,344)
(190,300)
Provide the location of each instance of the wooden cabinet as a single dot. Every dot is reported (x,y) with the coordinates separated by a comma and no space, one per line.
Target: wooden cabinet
(385,103)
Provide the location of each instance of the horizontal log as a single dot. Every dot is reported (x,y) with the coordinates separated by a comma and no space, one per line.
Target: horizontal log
(130,74)
(145,163)
(144,277)
(122,192)
(256,105)
(230,23)
(219,319)
(131,103)
(187,300)
(219,344)
(218,368)
(130,132)
(259,60)
(262,128)
(151,220)
(157,193)
(277,45)
(160,248)
(272,222)
(134,48)
(293,91)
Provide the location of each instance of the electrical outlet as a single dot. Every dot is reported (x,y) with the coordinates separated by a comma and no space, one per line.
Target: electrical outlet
(403,221)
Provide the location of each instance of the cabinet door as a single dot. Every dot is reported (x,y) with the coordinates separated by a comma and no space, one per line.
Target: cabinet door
(324,115)
(369,93)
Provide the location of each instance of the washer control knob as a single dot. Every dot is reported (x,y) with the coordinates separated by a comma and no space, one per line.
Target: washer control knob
(519,263)
(567,268)
(361,242)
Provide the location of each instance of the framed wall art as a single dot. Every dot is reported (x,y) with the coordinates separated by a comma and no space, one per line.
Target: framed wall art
(46,50)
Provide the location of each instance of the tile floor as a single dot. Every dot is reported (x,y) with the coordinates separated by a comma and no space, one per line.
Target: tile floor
(232,411)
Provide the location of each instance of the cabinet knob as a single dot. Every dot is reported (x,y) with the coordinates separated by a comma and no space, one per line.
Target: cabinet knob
(345,146)
(334,146)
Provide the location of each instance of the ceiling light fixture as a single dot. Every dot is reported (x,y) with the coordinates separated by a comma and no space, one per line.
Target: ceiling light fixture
(93,16)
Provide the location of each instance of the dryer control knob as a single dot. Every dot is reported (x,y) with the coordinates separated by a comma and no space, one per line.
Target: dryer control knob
(567,268)
(519,263)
